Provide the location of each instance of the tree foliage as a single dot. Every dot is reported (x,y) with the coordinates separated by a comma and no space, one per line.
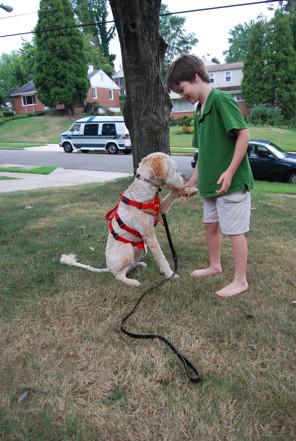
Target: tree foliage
(253,84)
(239,41)
(15,70)
(171,28)
(280,66)
(270,66)
(95,13)
(61,70)
(94,55)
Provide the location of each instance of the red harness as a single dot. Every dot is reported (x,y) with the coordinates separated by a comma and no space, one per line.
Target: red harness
(152,207)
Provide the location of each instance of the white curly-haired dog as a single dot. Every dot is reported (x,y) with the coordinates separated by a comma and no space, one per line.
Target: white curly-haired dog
(132,221)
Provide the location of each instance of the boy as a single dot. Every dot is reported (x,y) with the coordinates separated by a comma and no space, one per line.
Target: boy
(223,170)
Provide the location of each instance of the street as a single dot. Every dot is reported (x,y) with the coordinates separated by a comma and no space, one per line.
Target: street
(100,161)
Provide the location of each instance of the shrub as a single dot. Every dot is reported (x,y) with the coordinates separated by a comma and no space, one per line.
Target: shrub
(264,114)
(7,113)
(187,129)
(184,121)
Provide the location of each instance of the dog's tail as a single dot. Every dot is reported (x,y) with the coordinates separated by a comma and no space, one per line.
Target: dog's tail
(71,260)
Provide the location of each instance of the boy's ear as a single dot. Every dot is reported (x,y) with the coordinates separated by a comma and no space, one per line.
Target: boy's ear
(196,79)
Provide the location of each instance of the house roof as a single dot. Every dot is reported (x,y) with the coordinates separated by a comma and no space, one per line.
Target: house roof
(28,88)
(99,78)
(225,66)
(119,74)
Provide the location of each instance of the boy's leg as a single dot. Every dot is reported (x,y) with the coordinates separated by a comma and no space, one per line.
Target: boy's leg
(240,254)
(214,251)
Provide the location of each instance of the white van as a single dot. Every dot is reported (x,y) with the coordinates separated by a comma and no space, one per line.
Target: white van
(97,133)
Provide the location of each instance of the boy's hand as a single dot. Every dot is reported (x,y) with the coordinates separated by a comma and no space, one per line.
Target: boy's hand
(225,181)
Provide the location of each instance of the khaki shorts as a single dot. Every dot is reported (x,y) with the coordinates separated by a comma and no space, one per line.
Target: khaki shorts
(232,211)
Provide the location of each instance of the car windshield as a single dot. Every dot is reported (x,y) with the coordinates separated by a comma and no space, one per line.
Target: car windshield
(277,148)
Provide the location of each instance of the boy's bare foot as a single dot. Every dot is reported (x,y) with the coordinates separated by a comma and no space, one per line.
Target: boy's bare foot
(233,289)
(210,271)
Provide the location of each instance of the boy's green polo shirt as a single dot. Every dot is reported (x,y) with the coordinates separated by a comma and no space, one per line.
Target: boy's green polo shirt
(215,140)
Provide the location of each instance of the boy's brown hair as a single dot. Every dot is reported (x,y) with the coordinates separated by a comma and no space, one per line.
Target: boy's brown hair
(184,69)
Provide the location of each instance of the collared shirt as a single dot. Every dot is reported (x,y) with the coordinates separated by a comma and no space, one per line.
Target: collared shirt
(215,138)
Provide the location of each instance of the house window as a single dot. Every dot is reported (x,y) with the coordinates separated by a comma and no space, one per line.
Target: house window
(94,93)
(91,129)
(111,96)
(212,77)
(109,130)
(29,100)
(227,77)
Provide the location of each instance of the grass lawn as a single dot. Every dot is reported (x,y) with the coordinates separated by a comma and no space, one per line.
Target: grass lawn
(43,170)
(60,328)
(46,129)
(38,130)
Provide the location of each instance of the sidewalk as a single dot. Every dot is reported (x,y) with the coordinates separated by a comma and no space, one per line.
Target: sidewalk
(60,177)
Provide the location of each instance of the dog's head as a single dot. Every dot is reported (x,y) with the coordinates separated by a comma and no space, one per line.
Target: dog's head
(160,168)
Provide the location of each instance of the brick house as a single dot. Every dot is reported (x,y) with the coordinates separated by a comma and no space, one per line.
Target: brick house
(103,90)
(25,100)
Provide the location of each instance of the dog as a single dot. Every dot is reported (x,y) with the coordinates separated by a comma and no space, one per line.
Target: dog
(132,221)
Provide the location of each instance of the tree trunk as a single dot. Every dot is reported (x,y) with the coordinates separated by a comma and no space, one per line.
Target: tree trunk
(147,106)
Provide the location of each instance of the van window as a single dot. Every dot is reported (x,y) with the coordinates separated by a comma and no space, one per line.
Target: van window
(91,129)
(75,127)
(109,130)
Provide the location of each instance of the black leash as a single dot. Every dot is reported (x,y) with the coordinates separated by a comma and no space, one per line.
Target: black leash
(191,372)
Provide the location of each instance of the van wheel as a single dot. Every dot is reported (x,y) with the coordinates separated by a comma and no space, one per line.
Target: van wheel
(112,148)
(67,147)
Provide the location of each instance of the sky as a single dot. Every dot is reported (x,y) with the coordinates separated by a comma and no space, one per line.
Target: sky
(210,27)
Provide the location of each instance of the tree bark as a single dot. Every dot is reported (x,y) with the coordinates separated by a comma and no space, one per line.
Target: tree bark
(147,106)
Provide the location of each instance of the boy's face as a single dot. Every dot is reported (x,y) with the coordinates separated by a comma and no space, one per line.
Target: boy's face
(189,90)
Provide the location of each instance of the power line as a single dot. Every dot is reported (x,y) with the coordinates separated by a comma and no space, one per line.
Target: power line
(82,25)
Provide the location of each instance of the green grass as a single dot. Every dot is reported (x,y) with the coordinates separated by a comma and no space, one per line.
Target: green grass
(43,170)
(275,187)
(46,129)
(285,138)
(20,145)
(34,130)
(60,327)
(5,178)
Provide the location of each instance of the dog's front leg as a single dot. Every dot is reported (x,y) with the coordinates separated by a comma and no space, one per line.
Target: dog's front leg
(154,247)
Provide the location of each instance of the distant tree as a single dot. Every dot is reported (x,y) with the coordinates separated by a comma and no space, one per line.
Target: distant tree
(280,67)
(61,69)
(95,12)
(292,21)
(12,73)
(147,106)
(254,84)
(94,55)
(171,28)
(28,54)
(239,41)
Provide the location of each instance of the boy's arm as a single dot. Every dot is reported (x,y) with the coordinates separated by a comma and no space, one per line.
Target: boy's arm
(193,180)
(241,147)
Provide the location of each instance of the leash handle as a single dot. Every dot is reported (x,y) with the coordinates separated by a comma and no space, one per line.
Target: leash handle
(191,371)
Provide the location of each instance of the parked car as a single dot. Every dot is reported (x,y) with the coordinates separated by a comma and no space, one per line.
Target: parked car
(97,133)
(268,161)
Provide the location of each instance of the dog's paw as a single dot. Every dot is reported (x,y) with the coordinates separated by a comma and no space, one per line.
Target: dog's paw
(188,192)
(132,282)
(143,264)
